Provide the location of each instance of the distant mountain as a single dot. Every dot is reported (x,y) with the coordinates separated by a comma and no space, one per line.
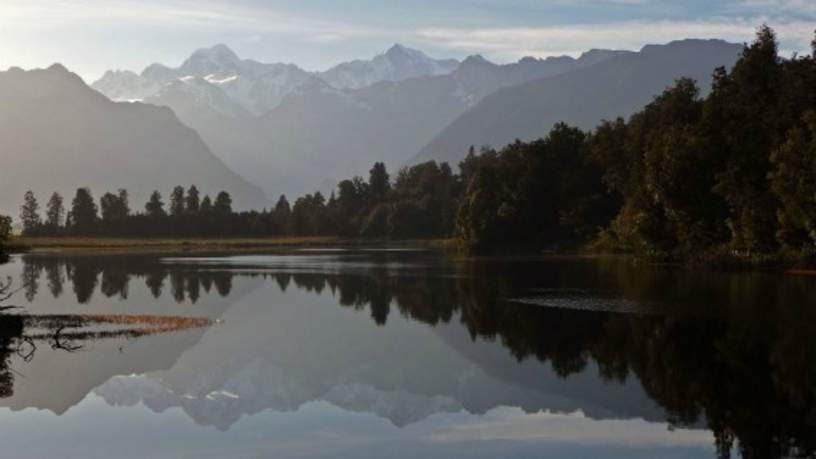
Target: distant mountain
(397,64)
(255,361)
(255,87)
(292,132)
(318,133)
(126,86)
(57,134)
(321,134)
(610,87)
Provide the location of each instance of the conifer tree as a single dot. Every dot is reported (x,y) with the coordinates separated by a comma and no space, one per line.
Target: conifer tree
(192,202)
(155,206)
(177,201)
(223,204)
(29,213)
(83,212)
(55,211)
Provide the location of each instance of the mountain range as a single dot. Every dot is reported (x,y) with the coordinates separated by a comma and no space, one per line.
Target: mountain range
(262,129)
(613,88)
(292,131)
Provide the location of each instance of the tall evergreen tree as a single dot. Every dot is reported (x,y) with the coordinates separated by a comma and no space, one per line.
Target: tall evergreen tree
(124,202)
(746,102)
(155,206)
(29,213)
(282,206)
(55,211)
(378,182)
(177,201)
(223,204)
(282,215)
(206,205)
(192,203)
(83,213)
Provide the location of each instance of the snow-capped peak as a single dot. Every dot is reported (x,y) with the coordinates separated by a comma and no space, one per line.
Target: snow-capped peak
(257,87)
(217,60)
(396,64)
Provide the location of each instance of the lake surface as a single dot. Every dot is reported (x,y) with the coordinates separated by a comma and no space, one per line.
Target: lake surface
(402,354)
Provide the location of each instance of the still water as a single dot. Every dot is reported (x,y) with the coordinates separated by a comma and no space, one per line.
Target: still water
(402,354)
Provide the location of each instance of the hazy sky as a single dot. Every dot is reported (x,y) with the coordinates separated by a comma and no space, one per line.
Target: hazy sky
(90,36)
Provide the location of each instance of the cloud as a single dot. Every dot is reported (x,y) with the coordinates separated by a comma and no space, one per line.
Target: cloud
(92,35)
(572,39)
(787,6)
(185,14)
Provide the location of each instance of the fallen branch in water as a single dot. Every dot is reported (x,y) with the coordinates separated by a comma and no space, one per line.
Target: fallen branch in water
(65,330)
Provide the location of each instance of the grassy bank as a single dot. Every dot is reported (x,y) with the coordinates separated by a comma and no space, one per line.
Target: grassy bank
(148,245)
(26,244)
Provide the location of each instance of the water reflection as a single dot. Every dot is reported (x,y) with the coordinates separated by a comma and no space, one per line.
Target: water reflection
(732,353)
(22,335)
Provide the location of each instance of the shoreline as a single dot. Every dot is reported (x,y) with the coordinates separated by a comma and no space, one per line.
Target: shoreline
(51,245)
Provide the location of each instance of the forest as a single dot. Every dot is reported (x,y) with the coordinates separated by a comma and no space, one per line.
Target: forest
(689,177)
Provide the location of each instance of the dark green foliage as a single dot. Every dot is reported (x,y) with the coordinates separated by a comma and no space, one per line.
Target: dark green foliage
(379,182)
(177,201)
(794,182)
(29,214)
(206,205)
(114,207)
(55,212)
(83,217)
(309,216)
(684,178)
(540,194)
(665,173)
(155,207)
(730,175)
(192,203)
(748,124)
(223,204)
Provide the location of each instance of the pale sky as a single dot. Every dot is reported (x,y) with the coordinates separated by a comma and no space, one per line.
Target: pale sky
(91,36)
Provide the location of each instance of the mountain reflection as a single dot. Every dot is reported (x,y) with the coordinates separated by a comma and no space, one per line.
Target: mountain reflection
(731,352)
(22,334)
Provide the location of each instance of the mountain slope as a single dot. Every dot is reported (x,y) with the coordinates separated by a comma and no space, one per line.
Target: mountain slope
(613,87)
(320,134)
(57,134)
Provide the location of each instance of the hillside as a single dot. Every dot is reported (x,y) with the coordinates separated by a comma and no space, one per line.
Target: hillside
(613,87)
(57,134)
(317,133)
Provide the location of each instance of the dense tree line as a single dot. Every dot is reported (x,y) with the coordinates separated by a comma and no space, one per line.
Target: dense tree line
(421,202)
(731,173)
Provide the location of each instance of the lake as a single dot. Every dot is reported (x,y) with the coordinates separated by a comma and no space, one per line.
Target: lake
(402,354)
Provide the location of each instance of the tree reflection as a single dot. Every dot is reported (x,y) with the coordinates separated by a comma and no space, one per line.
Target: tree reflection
(731,351)
(23,334)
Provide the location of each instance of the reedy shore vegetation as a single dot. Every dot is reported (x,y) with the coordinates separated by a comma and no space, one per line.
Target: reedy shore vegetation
(729,177)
